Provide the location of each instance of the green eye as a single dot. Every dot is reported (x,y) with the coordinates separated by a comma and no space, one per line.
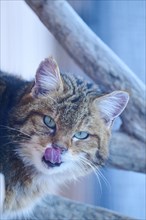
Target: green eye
(81,135)
(49,122)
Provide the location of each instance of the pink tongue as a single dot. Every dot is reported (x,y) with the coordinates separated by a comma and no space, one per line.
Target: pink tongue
(53,155)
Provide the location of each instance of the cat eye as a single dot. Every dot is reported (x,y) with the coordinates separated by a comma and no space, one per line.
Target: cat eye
(49,122)
(81,135)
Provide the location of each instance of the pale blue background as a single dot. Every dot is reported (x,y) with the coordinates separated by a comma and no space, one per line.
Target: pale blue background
(25,42)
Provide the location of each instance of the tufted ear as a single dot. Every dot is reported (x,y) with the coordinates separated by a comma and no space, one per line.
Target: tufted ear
(112,105)
(47,78)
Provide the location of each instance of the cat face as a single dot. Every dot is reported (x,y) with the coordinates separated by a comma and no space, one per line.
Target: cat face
(66,125)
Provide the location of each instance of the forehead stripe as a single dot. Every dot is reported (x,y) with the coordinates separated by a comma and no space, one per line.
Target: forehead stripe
(26,118)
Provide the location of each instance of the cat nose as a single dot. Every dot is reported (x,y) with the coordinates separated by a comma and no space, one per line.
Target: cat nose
(60,146)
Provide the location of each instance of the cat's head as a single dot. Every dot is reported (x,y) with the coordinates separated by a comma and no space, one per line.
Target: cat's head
(68,124)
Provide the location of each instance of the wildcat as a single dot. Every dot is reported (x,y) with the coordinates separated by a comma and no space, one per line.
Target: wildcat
(52,130)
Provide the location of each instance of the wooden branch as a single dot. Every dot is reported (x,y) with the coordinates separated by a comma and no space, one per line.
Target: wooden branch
(58,208)
(95,58)
(127,153)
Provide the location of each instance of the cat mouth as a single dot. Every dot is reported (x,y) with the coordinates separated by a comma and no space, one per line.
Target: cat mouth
(52,157)
(50,164)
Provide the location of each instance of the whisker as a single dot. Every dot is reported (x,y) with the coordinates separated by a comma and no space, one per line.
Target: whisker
(14,129)
(6,136)
(10,142)
(11,137)
(104,179)
(87,162)
(100,174)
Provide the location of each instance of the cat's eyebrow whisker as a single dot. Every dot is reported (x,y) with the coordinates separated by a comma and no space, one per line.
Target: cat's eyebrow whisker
(52,99)
(14,129)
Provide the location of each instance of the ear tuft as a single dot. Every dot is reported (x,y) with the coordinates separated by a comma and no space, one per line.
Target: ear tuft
(112,105)
(47,78)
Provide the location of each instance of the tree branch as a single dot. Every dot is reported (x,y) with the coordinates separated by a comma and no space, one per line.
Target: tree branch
(60,208)
(127,153)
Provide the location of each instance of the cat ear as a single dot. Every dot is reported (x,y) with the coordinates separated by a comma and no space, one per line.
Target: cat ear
(47,78)
(112,105)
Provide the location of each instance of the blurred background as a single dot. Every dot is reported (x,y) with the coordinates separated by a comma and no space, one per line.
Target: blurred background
(25,42)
